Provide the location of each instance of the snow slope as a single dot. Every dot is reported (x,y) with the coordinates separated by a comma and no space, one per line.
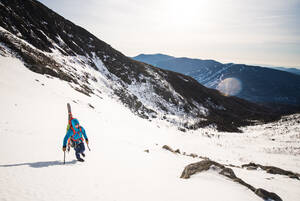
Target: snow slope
(33,121)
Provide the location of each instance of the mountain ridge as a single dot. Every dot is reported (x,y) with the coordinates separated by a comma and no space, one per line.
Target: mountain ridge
(290,70)
(260,84)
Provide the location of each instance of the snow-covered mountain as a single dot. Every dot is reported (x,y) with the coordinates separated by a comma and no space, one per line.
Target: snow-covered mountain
(257,84)
(49,44)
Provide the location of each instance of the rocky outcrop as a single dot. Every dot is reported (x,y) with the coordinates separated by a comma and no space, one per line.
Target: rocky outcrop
(177,151)
(266,195)
(205,165)
(166,147)
(199,167)
(272,170)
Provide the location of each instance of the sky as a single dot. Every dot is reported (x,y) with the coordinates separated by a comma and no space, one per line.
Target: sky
(257,32)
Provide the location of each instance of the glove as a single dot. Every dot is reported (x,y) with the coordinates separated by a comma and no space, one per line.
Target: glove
(87,141)
(64,149)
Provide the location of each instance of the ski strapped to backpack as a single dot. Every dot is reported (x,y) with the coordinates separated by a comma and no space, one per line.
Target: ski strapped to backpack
(70,117)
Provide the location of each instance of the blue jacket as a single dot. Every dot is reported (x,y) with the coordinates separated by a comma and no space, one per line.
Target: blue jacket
(78,133)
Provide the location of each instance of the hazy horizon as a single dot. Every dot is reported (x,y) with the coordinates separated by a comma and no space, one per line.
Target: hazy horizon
(254,64)
(254,32)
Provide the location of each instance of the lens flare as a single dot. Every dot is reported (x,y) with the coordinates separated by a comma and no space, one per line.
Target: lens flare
(230,86)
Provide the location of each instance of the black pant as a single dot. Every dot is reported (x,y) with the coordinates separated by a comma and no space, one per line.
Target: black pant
(79,148)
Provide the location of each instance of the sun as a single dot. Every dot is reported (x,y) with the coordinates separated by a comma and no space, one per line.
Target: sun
(190,12)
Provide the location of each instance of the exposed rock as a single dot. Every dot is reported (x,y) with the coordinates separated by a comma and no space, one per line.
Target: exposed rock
(193,155)
(272,170)
(147,150)
(204,157)
(134,104)
(293,176)
(251,168)
(266,195)
(205,165)
(228,172)
(182,129)
(198,167)
(177,151)
(166,147)
(91,106)
(231,165)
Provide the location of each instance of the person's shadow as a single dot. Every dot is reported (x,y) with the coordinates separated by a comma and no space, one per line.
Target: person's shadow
(41,164)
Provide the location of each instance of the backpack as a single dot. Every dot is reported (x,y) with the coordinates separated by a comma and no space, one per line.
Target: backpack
(71,140)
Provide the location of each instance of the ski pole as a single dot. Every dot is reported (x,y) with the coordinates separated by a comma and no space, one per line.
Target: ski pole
(88,146)
(64,157)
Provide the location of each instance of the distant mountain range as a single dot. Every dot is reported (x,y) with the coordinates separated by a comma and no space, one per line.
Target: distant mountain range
(253,83)
(290,70)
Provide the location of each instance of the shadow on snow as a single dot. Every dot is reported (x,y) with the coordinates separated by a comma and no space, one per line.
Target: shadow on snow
(41,164)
